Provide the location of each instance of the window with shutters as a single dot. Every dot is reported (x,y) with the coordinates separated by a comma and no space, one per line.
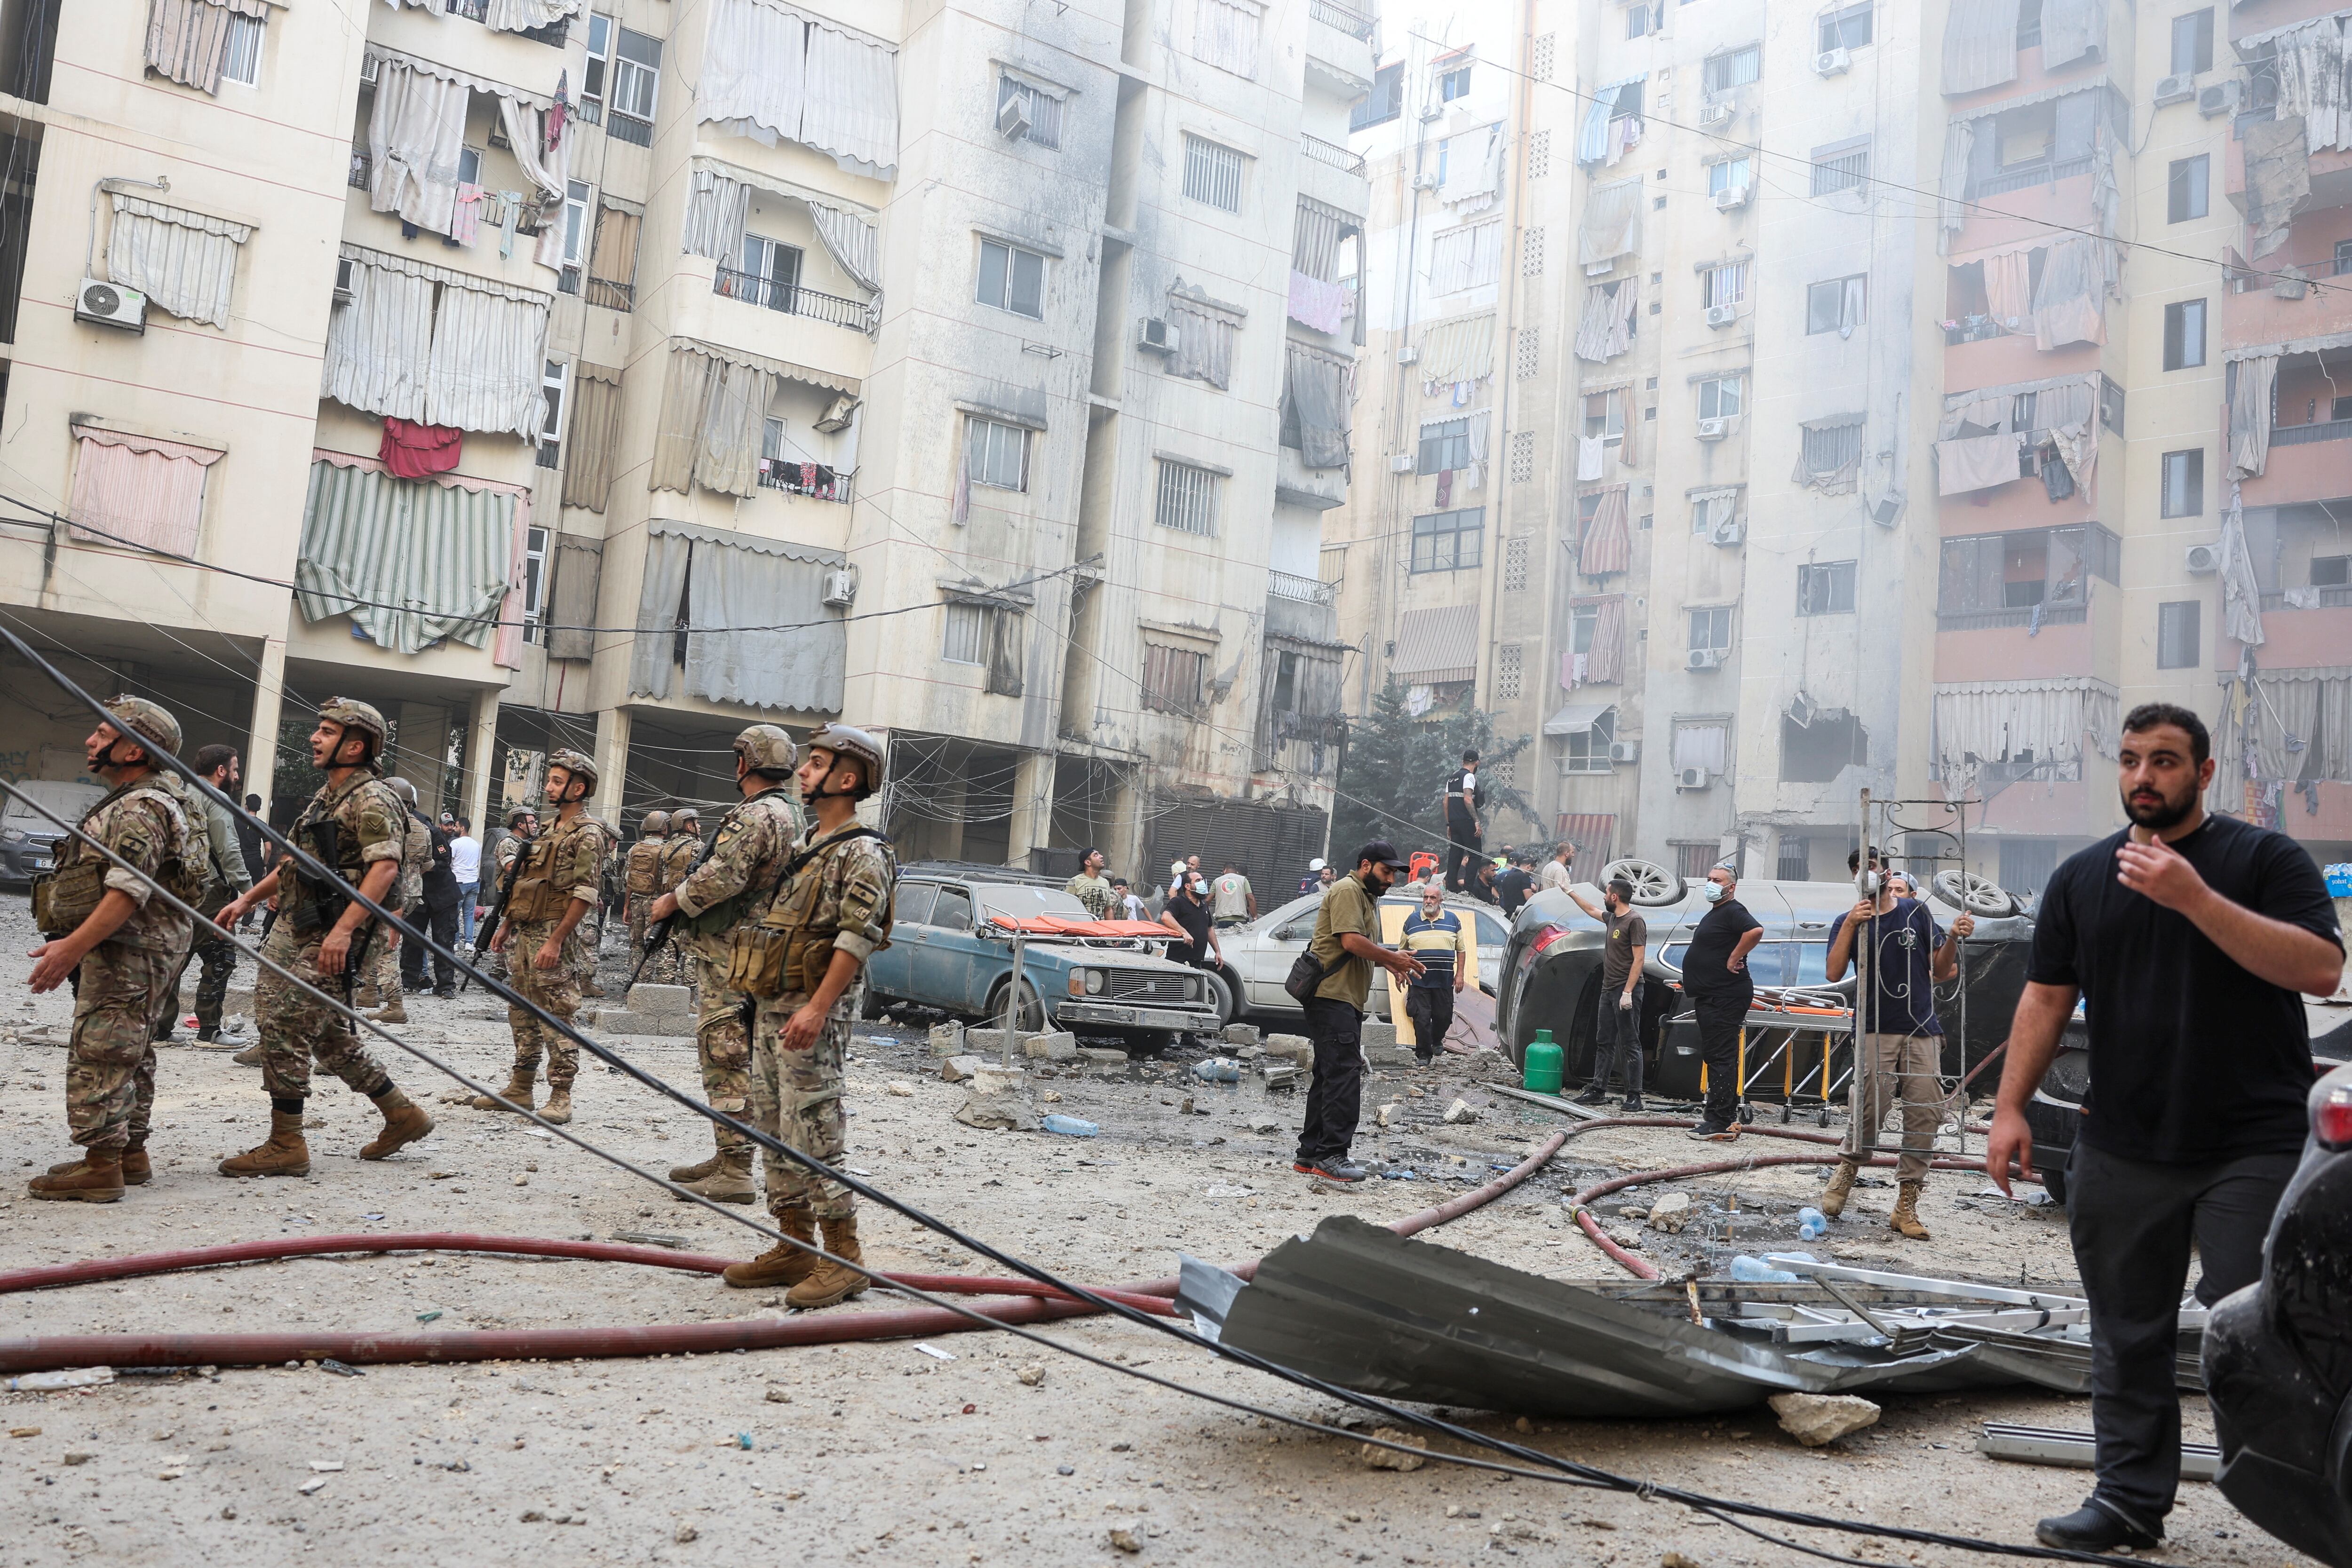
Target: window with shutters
(1523,354)
(1523,456)
(1041,110)
(1532,252)
(1711,512)
(1514,564)
(1213,173)
(1539,154)
(1187,499)
(1507,666)
(1737,69)
(1843,166)
(1171,678)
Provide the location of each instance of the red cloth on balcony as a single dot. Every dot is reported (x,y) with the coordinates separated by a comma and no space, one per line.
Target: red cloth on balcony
(412,451)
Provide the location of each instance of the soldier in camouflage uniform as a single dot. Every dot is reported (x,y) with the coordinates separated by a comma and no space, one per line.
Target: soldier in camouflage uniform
(641,877)
(726,895)
(563,877)
(523,826)
(831,915)
(213,831)
(383,953)
(122,946)
(355,825)
(672,966)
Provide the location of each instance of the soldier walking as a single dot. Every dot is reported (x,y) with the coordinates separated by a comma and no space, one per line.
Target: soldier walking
(214,836)
(355,826)
(832,914)
(641,877)
(123,946)
(383,953)
(671,966)
(725,896)
(561,878)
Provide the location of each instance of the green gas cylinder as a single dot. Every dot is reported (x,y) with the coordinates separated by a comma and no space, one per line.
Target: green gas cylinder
(1541,1067)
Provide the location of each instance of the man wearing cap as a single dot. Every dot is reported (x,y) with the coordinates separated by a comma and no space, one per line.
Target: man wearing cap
(354,827)
(122,946)
(641,877)
(673,965)
(560,875)
(1347,943)
(832,914)
(710,910)
(1089,888)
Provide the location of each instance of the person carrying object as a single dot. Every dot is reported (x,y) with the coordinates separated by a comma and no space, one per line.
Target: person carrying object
(1436,936)
(1617,1028)
(1716,978)
(2188,937)
(1346,946)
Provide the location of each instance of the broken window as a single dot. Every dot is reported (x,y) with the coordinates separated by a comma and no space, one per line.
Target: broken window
(1837,305)
(1171,678)
(1816,753)
(1825,588)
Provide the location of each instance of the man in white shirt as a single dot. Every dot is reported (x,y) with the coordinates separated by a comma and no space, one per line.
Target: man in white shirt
(1125,902)
(1557,871)
(466,866)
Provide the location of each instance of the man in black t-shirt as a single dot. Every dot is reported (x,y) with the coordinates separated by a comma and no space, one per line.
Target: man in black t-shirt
(1617,1028)
(1716,978)
(1464,835)
(2188,937)
(1514,882)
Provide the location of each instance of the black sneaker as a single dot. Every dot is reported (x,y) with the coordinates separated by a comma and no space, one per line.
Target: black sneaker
(2095,1526)
(1420,1060)
(1708,1133)
(209,1034)
(1332,1168)
(448,996)
(1590,1097)
(1632,1105)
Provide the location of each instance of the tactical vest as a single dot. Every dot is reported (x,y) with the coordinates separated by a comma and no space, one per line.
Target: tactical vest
(536,895)
(788,950)
(643,873)
(319,901)
(721,916)
(64,898)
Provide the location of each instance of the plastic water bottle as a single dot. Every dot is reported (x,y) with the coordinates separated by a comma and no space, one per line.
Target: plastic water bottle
(1070,1127)
(1812,1224)
(1752,1272)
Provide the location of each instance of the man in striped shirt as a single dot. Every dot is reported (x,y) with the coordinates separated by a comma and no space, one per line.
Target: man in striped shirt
(1434,934)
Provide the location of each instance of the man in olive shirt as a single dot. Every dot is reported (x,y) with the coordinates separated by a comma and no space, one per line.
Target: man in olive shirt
(1617,1032)
(1347,943)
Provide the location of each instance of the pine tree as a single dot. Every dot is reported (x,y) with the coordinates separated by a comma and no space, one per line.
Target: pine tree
(1393,776)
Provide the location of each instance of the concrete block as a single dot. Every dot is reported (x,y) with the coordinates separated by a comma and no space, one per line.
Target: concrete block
(612,1020)
(1107,1056)
(1295,1047)
(1814,1419)
(1378,1034)
(1055,1046)
(647,997)
(997,1098)
(960,1069)
(947,1040)
(1241,1034)
(988,1042)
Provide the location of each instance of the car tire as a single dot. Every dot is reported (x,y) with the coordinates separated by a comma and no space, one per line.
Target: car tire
(1031,1017)
(2054,1184)
(1224,995)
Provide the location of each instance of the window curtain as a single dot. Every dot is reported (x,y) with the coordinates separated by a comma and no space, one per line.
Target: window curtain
(1951,205)
(1829,456)
(761,634)
(137,490)
(440,553)
(547,169)
(596,436)
(1467,259)
(2254,381)
(716,208)
(1970,462)
(1604,662)
(1980,722)
(2070,413)
(1629,445)
(1607,327)
(1979,45)
(1458,351)
(1318,391)
(853,242)
(527,15)
(1314,239)
(571,603)
(184,262)
(416,132)
(1606,547)
(1593,141)
(1204,340)
(1706,746)
(2071,29)
(188,40)
(712,415)
(1005,624)
(2314,83)
(2009,289)
(653,661)
(852,109)
(488,362)
(2314,706)
(1613,224)
(380,346)
(613,263)
(1473,170)
(754,72)
(2278,181)
(1225,35)
(2070,305)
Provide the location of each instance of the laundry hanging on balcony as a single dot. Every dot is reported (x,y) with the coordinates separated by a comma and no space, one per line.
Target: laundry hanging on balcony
(771,74)
(1976,462)
(412,563)
(184,262)
(413,451)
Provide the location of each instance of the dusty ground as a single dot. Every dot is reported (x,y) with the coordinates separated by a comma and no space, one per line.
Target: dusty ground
(884,1451)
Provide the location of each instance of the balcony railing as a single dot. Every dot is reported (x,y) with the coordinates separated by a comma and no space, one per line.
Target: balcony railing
(1978,621)
(823,485)
(792,300)
(2049,171)
(610,295)
(1331,155)
(1355,23)
(1303,590)
(2314,599)
(1974,331)
(628,128)
(358,178)
(2319,430)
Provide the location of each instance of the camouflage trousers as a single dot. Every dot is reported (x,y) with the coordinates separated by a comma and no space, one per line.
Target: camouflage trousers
(639,903)
(118,993)
(580,953)
(382,970)
(796,1097)
(556,989)
(722,1043)
(669,967)
(297,1028)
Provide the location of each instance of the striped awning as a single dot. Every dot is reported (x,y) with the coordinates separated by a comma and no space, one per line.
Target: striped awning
(411,561)
(1592,833)
(1435,646)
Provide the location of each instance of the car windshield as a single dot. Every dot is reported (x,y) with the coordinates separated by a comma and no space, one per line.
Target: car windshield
(1775,963)
(1016,903)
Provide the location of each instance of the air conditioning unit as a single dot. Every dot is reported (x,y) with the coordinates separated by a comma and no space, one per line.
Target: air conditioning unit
(1430,112)
(1403,462)
(841,587)
(1832,62)
(1694,777)
(2204,559)
(1424,182)
(1013,117)
(1803,710)
(110,304)
(2221,98)
(1728,533)
(344,267)
(1719,112)
(1705,659)
(1407,354)
(368,67)
(1157,335)
(1714,429)
(1730,198)
(838,414)
(2174,89)
(1723,315)
(1624,751)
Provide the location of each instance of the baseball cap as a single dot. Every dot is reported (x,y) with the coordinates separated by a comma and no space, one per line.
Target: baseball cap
(1380,852)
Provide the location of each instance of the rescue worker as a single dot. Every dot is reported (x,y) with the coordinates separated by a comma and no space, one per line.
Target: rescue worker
(561,878)
(641,877)
(832,914)
(355,825)
(726,895)
(384,953)
(673,965)
(123,946)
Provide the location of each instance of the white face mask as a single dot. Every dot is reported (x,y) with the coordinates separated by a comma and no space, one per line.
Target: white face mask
(1715,892)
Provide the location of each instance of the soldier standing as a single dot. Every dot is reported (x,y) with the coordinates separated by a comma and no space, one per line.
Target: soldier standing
(669,967)
(640,875)
(724,896)
(354,825)
(832,914)
(123,946)
(561,878)
(383,953)
(523,826)
(214,833)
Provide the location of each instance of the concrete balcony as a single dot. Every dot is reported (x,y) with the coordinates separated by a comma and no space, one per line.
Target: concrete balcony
(2307,462)
(1296,484)
(2056,195)
(2078,639)
(1339,47)
(813,337)
(1999,358)
(1333,175)
(1301,607)
(2295,639)
(2263,314)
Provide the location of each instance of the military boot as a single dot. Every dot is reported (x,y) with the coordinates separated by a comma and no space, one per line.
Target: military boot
(97,1178)
(284,1155)
(696,1171)
(1840,1187)
(830,1284)
(403,1123)
(558,1109)
(250,1056)
(782,1264)
(136,1170)
(518,1089)
(1906,1217)
(730,1179)
(392,1011)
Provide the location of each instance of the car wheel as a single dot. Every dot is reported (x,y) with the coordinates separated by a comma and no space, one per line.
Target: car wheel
(1973,893)
(1654,887)
(1224,995)
(871,1004)
(1031,1015)
(2054,1184)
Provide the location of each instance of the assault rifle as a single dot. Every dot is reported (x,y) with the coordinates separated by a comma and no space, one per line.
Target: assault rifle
(658,932)
(490,927)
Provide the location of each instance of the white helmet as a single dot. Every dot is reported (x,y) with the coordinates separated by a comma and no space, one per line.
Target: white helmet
(1176,869)
(1316,865)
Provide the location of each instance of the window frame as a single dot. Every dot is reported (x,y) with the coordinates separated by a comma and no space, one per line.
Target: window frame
(1709,617)
(2191,485)
(1008,280)
(2200,42)
(1718,175)
(2189,181)
(1829,176)
(1441,439)
(2177,345)
(963,618)
(1386,79)
(1710,293)
(1715,387)
(1843,20)
(769,289)
(1454,82)
(594,75)
(1710,510)
(537,542)
(1430,527)
(1588,752)
(984,443)
(1186,494)
(258,29)
(1751,53)
(1044,109)
(2171,631)
(1826,587)
(1837,286)
(555,387)
(1207,159)
(1612,417)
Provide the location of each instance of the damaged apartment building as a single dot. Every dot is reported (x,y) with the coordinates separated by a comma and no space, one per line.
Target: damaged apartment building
(613,376)
(1764,404)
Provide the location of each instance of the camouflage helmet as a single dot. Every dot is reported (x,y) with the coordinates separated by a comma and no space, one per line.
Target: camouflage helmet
(848,741)
(684,820)
(357,715)
(404,789)
(767,749)
(137,720)
(654,823)
(576,766)
(514,817)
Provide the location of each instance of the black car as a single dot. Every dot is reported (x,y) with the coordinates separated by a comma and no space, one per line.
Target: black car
(2278,1353)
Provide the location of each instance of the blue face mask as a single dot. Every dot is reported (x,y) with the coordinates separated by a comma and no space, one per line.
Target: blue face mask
(1715,892)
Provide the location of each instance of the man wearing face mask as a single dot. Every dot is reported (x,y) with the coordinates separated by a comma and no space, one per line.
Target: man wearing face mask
(1716,978)
(1188,913)
(1347,944)
(1618,1031)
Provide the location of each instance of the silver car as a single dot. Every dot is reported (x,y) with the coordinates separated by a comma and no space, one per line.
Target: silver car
(1259,953)
(28,841)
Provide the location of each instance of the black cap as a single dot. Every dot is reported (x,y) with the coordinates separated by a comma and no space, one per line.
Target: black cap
(1380,852)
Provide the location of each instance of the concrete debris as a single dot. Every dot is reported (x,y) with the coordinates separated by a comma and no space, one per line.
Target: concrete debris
(1295,1047)
(687,1535)
(1459,1113)
(1671,1212)
(947,1040)
(1058,1046)
(1389,1112)
(957,1069)
(1675,1559)
(901,1088)
(1125,1540)
(778,1394)
(650,1009)
(1265,1125)
(1031,1375)
(997,1099)
(1814,1419)
(1241,1034)
(1379,1459)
